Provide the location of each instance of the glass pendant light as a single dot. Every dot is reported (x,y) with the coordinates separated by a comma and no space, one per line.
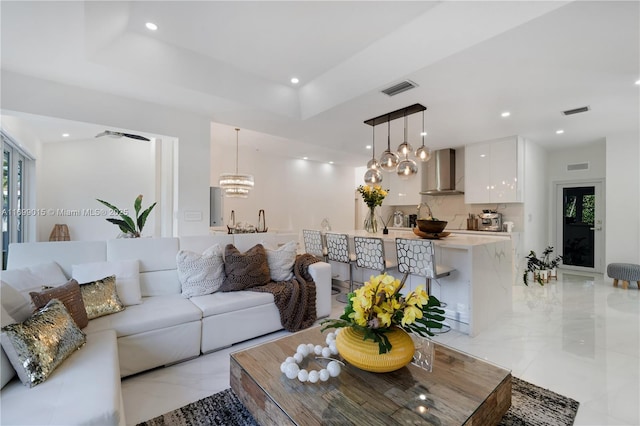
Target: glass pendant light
(373,175)
(407,168)
(423,153)
(404,149)
(236,184)
(389,160)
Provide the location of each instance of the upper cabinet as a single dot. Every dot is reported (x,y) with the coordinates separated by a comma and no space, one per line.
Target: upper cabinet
(494,171)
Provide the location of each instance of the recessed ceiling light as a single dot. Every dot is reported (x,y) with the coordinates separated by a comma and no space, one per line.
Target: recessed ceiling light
(305,158)
(505,114)
(65,135)
(151,26)
(423,133)
(638,82)
(368,146)
(330,162)
(294,80)
(559,132)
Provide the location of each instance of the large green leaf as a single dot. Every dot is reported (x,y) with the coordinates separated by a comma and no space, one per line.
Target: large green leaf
(142,219)
(137,205)
(124,217)
(124,226)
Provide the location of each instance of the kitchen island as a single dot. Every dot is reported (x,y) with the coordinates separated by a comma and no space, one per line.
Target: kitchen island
(477,293)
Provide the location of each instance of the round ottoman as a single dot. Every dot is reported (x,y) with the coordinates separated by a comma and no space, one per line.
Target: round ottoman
(625,272)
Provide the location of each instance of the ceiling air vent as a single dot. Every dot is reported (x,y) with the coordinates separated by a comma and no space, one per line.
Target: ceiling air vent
(399,88)
(577,166)
(576,110)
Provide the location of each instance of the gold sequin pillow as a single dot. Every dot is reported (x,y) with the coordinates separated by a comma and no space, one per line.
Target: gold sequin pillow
(38,345)
(100,297)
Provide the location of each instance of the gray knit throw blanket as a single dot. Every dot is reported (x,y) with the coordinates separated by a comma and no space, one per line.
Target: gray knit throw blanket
(296,298)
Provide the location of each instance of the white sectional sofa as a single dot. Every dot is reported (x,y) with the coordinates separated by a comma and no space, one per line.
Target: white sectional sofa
(165,328)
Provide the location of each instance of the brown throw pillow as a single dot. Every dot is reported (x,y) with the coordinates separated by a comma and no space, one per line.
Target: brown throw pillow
(100,297)
(70,296)
(245,270)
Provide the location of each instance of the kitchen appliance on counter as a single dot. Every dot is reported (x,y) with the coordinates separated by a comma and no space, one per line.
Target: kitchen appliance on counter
(490,220)
(398,219)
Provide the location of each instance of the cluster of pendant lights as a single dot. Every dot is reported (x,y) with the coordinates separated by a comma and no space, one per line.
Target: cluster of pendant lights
(399,161)
(236,185)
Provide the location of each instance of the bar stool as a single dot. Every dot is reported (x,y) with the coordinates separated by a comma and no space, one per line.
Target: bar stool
(418,257)
(314,243)
(370,254)
(338,251)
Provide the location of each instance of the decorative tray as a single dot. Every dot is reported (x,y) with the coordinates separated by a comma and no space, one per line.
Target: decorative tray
(430,236)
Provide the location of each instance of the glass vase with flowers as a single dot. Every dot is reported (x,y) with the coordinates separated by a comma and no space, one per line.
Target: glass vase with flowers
(373,197)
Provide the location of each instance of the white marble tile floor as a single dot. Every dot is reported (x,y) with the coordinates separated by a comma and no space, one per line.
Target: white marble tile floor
(578,336)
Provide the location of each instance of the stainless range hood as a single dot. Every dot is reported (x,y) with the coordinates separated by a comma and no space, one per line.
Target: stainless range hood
(444,161)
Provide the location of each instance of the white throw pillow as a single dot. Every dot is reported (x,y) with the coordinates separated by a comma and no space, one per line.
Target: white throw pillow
(17,305)
(200,274)
(281,261)
(6,369)
(127,274)
(32,278)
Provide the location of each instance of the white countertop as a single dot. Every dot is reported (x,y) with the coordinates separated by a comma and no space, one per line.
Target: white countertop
(462,231)
(454,240)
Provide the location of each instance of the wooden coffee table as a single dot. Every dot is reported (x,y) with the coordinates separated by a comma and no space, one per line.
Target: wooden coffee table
(461,389)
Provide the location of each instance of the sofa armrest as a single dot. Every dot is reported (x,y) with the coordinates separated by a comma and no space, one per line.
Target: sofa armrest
(321,274)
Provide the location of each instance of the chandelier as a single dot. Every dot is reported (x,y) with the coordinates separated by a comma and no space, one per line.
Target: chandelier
(399,162)
(236,184)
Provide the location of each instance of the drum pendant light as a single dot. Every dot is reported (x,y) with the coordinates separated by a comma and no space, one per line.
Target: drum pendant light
(389,160)
(423,153)
(373,175)
(236,184)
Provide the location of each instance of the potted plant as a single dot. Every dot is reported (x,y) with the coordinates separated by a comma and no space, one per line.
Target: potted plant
(377,319)
(551,264)
(129,228)
(541,268)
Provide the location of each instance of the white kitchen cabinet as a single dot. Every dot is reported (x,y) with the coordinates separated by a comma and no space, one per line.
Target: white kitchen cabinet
(494,171)
(403,192)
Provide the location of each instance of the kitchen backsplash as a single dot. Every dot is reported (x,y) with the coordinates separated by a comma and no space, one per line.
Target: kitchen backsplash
(453,209)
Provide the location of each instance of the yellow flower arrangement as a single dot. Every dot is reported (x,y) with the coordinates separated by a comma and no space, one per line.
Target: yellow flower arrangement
(378,306)
(372,195)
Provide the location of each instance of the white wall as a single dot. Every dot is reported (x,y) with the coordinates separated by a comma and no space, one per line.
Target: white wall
(536,199)
(294,193)
(594,154)
(75,173)
(31,95)
(623,199)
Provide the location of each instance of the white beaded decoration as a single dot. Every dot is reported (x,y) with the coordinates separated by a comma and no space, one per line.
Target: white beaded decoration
(291,369)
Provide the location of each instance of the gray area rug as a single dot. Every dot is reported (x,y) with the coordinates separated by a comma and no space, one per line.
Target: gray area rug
(530,405)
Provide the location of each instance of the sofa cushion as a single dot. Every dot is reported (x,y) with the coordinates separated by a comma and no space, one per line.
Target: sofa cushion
(245,270)
(200,274)
(101,298)
(281,261)
(220,303)
(33,357)
(157,257)
(33,278)
(6,369)
(85,389)
(64,253)
(70,295)
(127,274)
(17,305)
(152,314)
